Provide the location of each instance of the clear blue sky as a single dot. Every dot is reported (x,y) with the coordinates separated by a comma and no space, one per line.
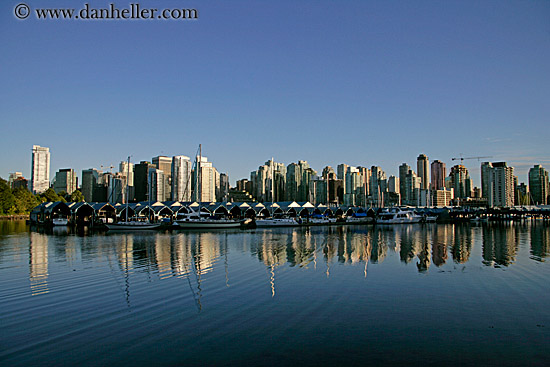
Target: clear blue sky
(358,82)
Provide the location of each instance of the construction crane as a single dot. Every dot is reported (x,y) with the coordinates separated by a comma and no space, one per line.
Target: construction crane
(110,168)
(462,158)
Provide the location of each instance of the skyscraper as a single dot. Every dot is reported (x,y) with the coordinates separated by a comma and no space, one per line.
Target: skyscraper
(165,165)
(40,178)
(423,169)
(461,181)
(498,179)
(538,184)
(181,178)
(141,180)
(156,185)
(65,180)
(403,170)
(438,174)
(205,183)
(89,181)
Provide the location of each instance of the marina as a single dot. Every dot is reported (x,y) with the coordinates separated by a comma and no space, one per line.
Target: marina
(453,294)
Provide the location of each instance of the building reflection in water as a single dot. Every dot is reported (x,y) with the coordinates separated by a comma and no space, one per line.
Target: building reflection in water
(38,263)
(439,245)
(461,244)
(499,245)
(273,252)
(540,242)
(192,255)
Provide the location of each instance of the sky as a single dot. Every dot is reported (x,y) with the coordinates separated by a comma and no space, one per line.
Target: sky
(358,82)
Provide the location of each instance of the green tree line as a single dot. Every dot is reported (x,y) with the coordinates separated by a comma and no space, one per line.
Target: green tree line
(22,201)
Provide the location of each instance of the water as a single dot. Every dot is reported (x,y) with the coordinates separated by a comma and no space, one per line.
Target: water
(357,295)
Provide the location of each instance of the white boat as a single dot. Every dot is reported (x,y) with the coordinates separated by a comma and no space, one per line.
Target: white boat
(277,222)
(132,225)
(398,216)
(193,221)
(478,219)
(430,218)
(60,221)
(321,220)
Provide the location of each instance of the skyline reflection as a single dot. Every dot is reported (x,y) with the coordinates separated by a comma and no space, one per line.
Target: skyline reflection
(193,255)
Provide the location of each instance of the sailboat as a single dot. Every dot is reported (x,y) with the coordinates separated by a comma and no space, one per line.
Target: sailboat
(275,222)
(131,224)
(196,220)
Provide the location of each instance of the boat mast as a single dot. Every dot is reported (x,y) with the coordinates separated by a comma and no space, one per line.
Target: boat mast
(199,178)
(272,187)
(127,183)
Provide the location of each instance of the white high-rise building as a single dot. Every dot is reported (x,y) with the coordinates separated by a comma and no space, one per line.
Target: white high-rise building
(500,185)
(156,185)
(207,181)
(40,179)
(181,178)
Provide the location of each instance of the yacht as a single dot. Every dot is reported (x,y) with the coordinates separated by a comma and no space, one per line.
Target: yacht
(277,222)
(194,221)
(132,225)
(60,221)
(398,216)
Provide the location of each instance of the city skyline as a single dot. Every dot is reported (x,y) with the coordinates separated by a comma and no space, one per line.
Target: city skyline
(175,178)
(367,83)
(233,180)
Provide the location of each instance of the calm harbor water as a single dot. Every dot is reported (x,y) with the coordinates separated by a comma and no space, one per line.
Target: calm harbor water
(357,295)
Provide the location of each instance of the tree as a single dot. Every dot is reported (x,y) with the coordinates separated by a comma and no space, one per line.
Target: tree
(7,200)
(77,196)
(25,201)
(50,195)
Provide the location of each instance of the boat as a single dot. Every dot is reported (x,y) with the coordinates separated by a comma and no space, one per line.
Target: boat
(60,221)
(479,219)
(318,219)
(398,216)
(132,225)
(195,220)
(358,218)
(430,218)
(277,222)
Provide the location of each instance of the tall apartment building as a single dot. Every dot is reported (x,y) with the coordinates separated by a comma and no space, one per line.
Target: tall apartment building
(89,181)
(423,169)
(65,180)
(40,176)
(461,181)
(403,171)
(141,180)
(378,186)
(156,185)
(181,178)
(438,174)
(126,170)
(204,184)
(165,165)
(538,185)
(497,180)
(222,190)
